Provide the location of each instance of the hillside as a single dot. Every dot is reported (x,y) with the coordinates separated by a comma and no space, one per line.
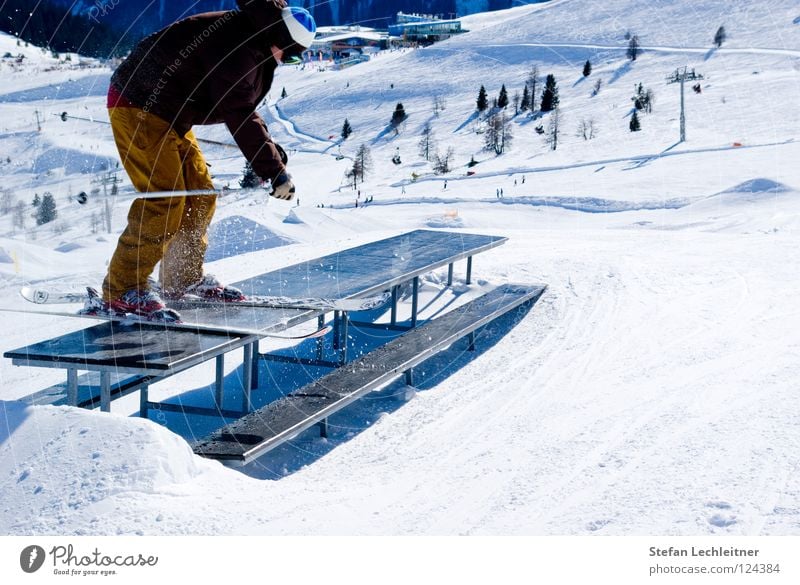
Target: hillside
(651,391)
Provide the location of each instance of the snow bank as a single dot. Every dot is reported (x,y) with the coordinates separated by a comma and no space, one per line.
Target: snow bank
(239,235)
(60,462)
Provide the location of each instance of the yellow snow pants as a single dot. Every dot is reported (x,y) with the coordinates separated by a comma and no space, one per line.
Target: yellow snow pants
(171,230)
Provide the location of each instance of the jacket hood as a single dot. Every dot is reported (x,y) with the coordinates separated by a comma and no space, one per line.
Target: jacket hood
(266,17)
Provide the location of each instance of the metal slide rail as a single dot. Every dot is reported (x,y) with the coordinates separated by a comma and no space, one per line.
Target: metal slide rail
(282,420)
(123,358)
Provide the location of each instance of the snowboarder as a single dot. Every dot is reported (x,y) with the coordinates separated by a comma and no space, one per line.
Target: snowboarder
(206,69)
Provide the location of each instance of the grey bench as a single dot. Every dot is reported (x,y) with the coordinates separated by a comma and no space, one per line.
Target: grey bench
(126,358)
(122,358)
(282,420)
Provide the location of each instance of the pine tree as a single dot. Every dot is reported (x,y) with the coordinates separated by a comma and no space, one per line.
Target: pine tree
(587,68)
(46,211)
(283,93)
(398,116)
(483,101)
(502,99)
(720,36)
(633,48)
(249,179)
(550,94)
(36,200)
(635,125)
(347,130)
(525,103)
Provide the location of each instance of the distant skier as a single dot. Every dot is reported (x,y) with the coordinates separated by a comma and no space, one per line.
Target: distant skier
(206,69)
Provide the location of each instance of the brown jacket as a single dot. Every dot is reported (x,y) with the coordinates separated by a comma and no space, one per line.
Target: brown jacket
(211,68)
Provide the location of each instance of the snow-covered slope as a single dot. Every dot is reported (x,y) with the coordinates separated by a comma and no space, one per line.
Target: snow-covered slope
(651,391)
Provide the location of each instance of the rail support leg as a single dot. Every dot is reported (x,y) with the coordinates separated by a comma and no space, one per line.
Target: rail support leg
(336,332)
(254,376)
(395,294)
(320,341)
(471,340)
(414,301)
(219,381)
(323,428)
(105,391)
(247,375)
(469,270)
(144,401)
(72,387)
(409,391)
(343,344)
(450,274)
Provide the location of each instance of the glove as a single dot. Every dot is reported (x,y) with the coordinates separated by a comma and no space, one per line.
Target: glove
(282,187)
(281,153)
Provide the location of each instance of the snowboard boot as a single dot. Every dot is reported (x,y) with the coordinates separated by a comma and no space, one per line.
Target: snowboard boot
(142,303)
(209,288)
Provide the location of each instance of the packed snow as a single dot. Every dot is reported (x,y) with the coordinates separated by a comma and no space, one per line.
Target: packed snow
(652,390)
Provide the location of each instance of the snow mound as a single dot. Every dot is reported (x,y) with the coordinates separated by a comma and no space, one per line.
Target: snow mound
(60,462)
(71,161)
(239,235)
(759,185)
(447,220)
(5,257)
(293,218)
(68,247)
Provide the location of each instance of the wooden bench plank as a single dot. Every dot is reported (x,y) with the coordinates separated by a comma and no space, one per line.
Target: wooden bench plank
(282,420)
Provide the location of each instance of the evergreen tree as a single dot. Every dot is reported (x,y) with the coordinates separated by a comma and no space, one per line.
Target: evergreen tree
(525,102)
(398,116)
(283,93)
(347,130)
(46,211)
(36,200)
(635,125)
(516,99)
(587,68)
(720,36)
(249,179)
(633,48)
(550,94)
(502,100)
(483,101)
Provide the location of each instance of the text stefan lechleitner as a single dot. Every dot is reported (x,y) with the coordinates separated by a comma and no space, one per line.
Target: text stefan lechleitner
(714,551)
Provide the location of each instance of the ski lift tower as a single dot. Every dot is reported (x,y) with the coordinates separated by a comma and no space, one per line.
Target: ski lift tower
(682,76)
